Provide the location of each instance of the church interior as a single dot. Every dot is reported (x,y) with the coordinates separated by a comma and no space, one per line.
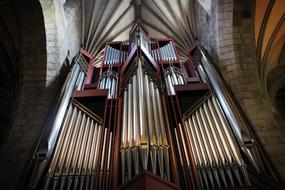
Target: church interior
(142,94)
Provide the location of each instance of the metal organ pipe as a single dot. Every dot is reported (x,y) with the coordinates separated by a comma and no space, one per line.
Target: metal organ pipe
(62,107)
(143,121)
(114,56)
(215,151)
(50,135)
(173,76)
(109,81)
(237,122)
(76,155)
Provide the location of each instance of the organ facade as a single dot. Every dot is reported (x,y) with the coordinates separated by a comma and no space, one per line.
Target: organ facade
(144,119)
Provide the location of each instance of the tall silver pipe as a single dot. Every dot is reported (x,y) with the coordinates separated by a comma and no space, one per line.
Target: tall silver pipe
(71,145)
(174,76)
(194,141)
(77,143)
(102,83)
(163,134)
(103,154)
(162,53)
(80,169)
(178,146)
(215,146)
(170,85)
(125,118)
(88,149)
(157,129)
(151,132)
(106,60)
(170,58)
(204,139)
(193,146)
(136,127)
(184,145)
(161,118)
(234,117)
(114,87)
(79,83)
(144,148)
(208,152)
(130,131)
(95,143)
(92,153)
(201,74)
(109,152)
(173,51)
(61,110)
(209,136)
(70,117)
(200,141)
(96,161)
(212,122)
(62,157)
(220,133)
(136,124)
(117,56)
(111,55)
(124,137)
(228,133)
(166,53)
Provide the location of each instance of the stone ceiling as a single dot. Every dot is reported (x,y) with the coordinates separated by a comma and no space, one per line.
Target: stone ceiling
(112,20)
(270,34)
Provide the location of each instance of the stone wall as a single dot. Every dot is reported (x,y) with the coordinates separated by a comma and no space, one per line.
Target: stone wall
(33,100)
(44,43)
(229,37)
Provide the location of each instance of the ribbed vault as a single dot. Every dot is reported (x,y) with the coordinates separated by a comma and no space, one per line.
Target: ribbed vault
(112,20)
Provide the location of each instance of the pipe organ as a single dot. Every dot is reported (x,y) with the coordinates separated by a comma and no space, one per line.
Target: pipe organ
(143,117)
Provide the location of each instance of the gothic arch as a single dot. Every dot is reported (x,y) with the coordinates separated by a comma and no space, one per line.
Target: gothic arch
(23,73)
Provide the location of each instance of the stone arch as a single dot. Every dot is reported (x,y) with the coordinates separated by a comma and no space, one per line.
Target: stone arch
(25,52)
(275,83)
(9,77)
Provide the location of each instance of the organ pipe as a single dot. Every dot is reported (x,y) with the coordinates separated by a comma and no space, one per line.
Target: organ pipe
(234,117)
(145,127)
(114,56)
(137,131)
(214,147)
(109,81)
(48,138)
(173,76)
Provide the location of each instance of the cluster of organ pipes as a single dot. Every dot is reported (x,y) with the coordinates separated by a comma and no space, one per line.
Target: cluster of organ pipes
(144,125)
(80,156)
(167,52)
(215,150)
(163,53)
(114,56)
(173,76)
(109,81)
(143,136)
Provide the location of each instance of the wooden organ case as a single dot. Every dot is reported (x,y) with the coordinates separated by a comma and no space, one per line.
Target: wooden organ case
(144,120)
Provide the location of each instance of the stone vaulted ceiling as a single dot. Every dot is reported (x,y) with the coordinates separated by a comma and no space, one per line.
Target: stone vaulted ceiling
(270,34)
(104,20)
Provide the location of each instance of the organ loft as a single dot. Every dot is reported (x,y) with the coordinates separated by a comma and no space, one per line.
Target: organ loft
(140,109)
